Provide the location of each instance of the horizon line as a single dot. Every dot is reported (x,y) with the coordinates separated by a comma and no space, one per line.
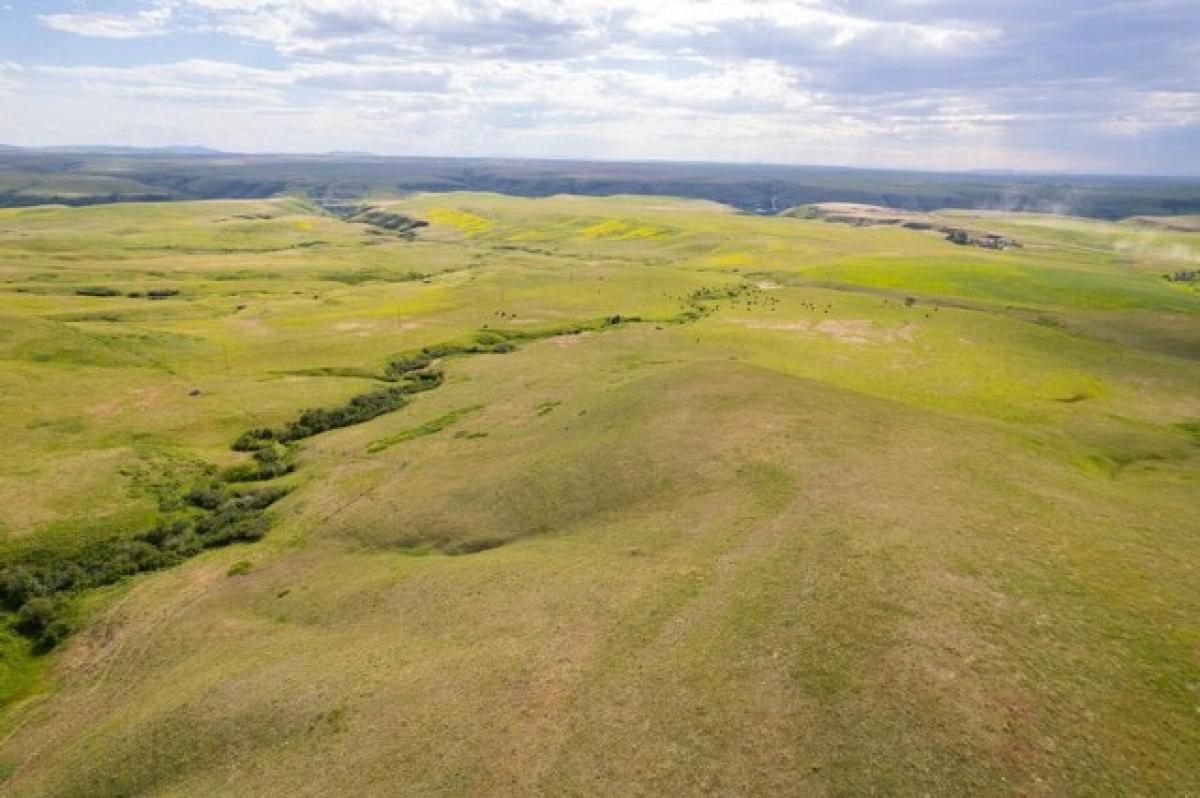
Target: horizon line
(202,150)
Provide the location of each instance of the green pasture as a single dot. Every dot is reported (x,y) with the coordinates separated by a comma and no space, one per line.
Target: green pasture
(801,507)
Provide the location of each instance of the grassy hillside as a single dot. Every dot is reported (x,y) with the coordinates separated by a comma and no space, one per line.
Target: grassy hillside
(688,501)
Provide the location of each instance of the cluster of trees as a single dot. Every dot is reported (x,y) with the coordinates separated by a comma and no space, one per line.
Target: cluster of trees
(363,407)
(263,441)
(409,373)
(38,582)
(107,291)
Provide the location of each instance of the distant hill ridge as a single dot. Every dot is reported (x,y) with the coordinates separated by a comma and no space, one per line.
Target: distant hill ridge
(91,175)
(870,215)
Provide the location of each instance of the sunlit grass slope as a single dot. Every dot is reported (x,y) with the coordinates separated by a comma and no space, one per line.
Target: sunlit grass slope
(891,516)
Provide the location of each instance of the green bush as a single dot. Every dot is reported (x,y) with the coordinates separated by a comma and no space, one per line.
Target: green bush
(55,632)
(240,568)
(445,350)
(257,472)
(35,615)
(267,455)
(488,337)
(406,364)
(18,585)
(205,495)
(254,439)
(97,290)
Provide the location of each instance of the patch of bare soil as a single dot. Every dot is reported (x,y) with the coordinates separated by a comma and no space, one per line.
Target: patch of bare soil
(788,326)
(354,326)
(853,331)
(569,340)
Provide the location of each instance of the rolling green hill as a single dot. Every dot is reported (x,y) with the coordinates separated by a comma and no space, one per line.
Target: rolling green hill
(594,495)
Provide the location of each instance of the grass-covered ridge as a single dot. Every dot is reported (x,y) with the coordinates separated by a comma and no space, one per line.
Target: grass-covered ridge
(825,509)
(40,577)
(272,453)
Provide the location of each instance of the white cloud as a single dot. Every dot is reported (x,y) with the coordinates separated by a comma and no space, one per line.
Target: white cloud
(816,24)
(525,28)
(204,79)
(154,21)
(1155,110)
(917,82)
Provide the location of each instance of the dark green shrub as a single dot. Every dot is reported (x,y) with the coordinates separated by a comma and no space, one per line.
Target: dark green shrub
(417,381)
(35,615)
(267,455)
(55,632)
(97,290)
(64,577)
(257,472)
(254,439)
(19,584)
(229,527)
(406,364)
(162,533)
(262,498)
(206,497)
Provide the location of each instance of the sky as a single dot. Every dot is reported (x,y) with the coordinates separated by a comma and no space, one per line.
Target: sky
(1107,86)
